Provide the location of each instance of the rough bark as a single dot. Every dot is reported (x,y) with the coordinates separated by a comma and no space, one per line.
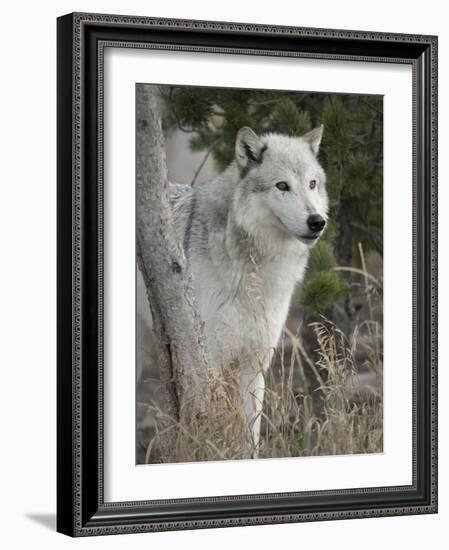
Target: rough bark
(184,367)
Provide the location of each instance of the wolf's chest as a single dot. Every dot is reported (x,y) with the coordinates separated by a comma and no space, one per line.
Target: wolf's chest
(244,308)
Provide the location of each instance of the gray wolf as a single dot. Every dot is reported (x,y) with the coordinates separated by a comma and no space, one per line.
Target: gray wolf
(247,235)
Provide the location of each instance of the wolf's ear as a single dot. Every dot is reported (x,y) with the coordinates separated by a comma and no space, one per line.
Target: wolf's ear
(248,148)
(313,138)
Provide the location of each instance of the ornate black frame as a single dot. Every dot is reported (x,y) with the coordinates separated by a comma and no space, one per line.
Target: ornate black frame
(81,509)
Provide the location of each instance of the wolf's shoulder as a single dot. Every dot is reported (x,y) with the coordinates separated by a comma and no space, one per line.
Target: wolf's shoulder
(177,192)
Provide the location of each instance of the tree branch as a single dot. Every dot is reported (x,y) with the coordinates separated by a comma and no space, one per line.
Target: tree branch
(206,156)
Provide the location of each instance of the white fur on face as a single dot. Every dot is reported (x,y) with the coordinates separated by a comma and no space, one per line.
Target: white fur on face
(261,206)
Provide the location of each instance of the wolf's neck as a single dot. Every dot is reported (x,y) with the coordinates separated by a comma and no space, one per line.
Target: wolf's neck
(260,249)
(263,275)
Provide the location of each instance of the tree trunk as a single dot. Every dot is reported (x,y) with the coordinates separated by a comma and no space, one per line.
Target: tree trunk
(343,252)
(343,241)
(187,379)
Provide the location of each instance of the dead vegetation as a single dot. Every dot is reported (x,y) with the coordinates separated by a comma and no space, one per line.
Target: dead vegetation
(323,396)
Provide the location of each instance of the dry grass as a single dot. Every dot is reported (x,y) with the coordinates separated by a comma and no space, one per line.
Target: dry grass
(323,400)
(333,412)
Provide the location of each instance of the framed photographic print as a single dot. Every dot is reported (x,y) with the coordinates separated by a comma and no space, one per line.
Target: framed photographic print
(246,274)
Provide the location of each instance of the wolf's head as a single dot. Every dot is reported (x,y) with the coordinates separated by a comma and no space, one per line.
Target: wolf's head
(281,191)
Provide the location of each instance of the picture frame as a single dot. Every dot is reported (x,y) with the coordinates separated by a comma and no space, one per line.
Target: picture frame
(81,506)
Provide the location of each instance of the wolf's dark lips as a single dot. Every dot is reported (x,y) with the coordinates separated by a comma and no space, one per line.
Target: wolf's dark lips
(309,237)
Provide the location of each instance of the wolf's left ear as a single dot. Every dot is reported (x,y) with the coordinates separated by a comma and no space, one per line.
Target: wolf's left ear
(248,148)
(313,138)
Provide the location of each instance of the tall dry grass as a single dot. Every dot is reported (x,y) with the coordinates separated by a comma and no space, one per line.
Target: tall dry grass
(335,411)
(327,401)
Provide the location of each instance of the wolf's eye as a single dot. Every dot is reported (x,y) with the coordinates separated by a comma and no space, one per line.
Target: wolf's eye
(283,186)
(312,184)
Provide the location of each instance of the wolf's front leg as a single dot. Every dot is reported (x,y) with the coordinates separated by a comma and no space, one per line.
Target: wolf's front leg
(252,391)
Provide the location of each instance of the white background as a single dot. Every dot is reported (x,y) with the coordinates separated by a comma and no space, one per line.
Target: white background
(27,218)
(123,481)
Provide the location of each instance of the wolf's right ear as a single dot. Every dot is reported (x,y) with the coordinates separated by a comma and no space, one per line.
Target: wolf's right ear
(313,138)
(248,148)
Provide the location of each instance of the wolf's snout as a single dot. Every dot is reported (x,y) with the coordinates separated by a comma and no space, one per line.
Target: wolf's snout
(316,222)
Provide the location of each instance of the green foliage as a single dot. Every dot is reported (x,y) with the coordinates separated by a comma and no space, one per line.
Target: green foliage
(351,153)
(321,290)
(193,108)
(322,287)
(322,257)
(288,119)
(336,140)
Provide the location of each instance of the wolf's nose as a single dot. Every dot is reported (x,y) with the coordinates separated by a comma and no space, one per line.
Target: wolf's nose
(316,222)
